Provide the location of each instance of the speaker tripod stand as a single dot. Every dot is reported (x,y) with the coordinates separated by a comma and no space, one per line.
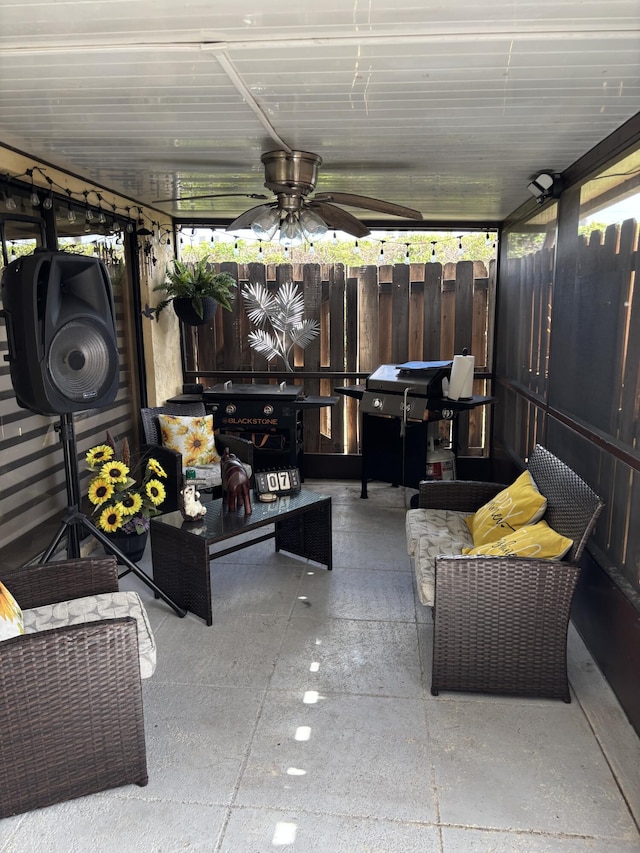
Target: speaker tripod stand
(74,520)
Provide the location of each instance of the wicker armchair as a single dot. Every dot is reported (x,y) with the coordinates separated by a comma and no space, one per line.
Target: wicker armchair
(170,460)
(70,698)
(500,624)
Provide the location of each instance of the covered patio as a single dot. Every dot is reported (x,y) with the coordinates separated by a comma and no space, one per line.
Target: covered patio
(302,717)
(302,720)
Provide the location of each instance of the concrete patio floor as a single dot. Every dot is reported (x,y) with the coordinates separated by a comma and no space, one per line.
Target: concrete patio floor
(302,720)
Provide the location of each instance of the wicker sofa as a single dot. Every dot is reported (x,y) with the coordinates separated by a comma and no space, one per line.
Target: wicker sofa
(71,712)
(500,623)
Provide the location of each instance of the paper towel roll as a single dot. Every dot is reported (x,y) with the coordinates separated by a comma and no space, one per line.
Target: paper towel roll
(461,381)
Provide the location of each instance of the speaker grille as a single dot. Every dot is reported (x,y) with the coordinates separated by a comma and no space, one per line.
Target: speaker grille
(81,360)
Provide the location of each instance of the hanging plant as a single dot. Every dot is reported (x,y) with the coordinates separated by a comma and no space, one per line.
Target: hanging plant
(191,285)
(279,320)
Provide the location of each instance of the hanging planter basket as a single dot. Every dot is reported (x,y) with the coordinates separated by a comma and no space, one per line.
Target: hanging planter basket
(187,313)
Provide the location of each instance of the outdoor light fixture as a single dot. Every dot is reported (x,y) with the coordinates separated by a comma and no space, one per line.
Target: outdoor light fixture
(9,200)
(266,223)
(546,185)
(291,233)
(312,226)
(295,226)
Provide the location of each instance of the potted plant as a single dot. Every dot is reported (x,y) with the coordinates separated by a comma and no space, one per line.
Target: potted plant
(195,291)
(121,506)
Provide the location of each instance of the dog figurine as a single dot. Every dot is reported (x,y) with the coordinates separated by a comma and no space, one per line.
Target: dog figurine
(235,483)
(190,506)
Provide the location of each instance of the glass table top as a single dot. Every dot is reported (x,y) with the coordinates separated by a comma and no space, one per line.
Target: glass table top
(219,523)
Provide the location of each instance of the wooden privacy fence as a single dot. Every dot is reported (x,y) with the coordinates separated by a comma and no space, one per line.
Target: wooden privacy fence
(368,316)
(569,367)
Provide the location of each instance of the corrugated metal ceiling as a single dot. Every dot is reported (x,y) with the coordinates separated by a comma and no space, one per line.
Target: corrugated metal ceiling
(447,107)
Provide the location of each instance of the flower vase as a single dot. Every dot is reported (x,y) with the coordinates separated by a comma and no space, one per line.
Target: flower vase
(132,545)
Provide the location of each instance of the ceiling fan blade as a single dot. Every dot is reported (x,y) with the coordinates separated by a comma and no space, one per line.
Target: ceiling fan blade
(339,219)
(368,203)
(214,195)
(245,219)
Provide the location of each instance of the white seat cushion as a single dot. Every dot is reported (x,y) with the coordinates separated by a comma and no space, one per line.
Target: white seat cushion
(434,533)
(439,524)
(93,608)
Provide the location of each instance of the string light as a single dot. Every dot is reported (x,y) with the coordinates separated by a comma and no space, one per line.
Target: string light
(71,214)
(102,219)
(44,196)
(34,198)
(92,214)
(48,202)
(9,200)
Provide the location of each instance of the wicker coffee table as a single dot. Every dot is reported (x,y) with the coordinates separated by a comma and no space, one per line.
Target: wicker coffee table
(181,550)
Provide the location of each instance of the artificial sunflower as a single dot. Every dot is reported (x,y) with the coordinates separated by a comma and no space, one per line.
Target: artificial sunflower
(115,472)
(155,492)
(97,456)
(100,491)
(110,519)
(120,503)
(131,503)
(156,467)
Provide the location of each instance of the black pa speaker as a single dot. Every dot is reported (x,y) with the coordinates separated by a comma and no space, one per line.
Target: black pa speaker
(61,335)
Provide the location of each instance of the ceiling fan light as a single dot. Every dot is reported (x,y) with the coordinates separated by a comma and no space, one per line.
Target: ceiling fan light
(312,226)
(266,223)
(290,232)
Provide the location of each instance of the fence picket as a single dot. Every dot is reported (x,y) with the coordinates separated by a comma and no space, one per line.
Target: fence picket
(368,316)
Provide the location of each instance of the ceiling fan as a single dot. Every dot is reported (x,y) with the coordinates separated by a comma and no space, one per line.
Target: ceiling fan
(292,176)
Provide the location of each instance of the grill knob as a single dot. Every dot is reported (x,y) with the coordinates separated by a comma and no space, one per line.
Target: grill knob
(376,403)
(230,409)
(268,409)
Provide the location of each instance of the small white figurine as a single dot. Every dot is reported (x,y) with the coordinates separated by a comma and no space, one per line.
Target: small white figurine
(190,506)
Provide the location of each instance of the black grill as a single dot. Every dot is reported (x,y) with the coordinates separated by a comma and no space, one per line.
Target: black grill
(270,416)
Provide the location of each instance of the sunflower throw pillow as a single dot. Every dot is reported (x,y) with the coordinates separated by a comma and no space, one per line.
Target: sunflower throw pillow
(192,437)
(519,504)
(11,624)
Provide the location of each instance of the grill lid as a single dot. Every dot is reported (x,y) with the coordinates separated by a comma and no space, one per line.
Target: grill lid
(249,391)
(423,379)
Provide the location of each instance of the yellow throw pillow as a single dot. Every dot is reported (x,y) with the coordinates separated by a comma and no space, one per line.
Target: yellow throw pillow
(533,540)
(11,624)
(519,504)
(191,437)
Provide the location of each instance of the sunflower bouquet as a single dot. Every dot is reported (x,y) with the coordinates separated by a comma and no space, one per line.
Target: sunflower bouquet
(119,504)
